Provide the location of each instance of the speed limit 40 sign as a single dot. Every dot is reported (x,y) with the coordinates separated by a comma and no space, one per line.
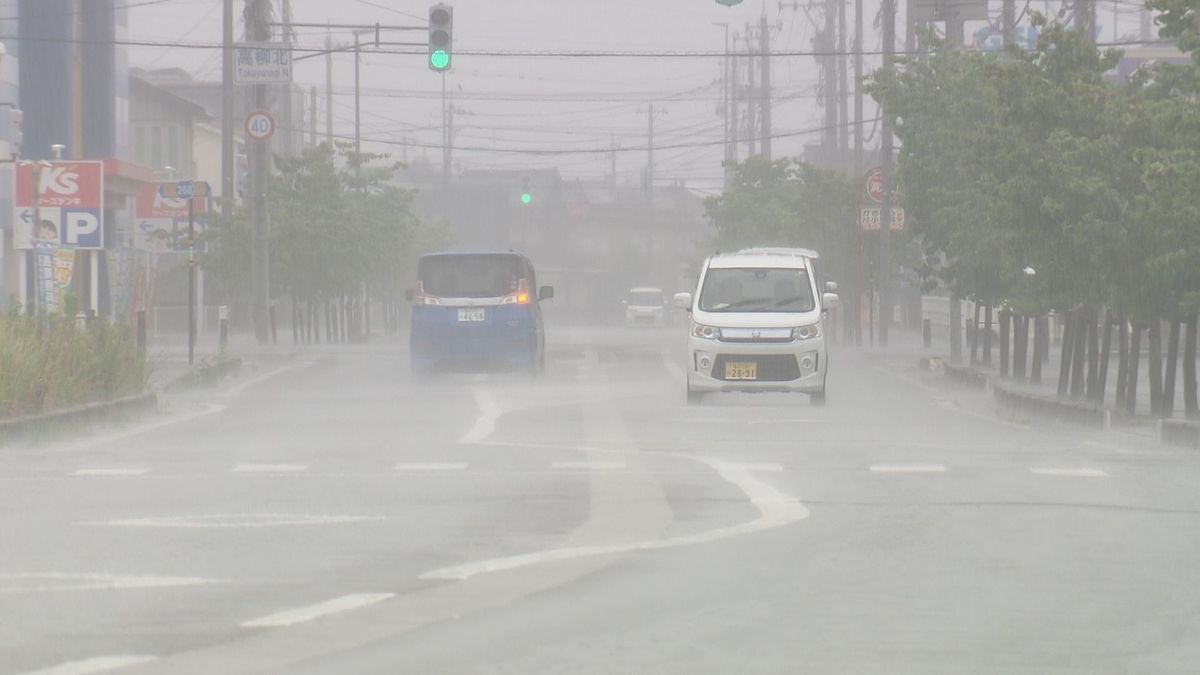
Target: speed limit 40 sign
(260,125)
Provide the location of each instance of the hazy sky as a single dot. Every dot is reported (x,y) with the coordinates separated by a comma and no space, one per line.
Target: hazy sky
(509,102)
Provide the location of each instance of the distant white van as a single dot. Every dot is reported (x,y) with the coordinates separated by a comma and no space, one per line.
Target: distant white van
(646,305)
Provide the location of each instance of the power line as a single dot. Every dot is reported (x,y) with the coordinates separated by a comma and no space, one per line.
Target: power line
(498,53)
(598,150)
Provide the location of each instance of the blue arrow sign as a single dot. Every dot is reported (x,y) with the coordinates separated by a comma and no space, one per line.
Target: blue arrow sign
(27,216)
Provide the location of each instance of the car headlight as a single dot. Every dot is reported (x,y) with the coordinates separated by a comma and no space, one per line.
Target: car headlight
(806,332)
(706,332)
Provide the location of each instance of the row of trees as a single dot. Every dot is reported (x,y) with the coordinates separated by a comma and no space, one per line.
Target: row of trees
(342,234)
(1034,184)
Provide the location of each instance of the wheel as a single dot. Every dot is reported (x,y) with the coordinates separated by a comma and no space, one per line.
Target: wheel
(817,397)
(694,397)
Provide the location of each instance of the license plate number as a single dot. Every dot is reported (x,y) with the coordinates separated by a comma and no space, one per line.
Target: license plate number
(741,371)
(470,315)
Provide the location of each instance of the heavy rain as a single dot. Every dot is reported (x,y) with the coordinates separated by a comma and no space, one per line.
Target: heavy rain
(632,336)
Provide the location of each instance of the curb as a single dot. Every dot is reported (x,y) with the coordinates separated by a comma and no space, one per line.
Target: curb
(204,375)
(1020,403)
(80,415)
(967,376)
(1179,433)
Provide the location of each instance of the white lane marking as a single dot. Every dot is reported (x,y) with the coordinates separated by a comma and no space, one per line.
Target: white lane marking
(908,468)
(726,420)
(291,617)
(50,582)
(1075,473)
(96,441)
(589,466)
(114,472)
(243,386)
(485,424)
(761,466)
(270,468)
(775,510)
(432,466)
(96,664)
(220,521)
(671,366)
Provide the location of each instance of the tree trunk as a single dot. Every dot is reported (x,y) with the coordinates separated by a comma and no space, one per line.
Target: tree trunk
(1135,359)
(974,336)
(1105,351)
(1020,346)
(1066,354)
(1040,326)
(1079,354)
(295,322)
(1093,353)
(1190,408)
(1122,360)
(987,335)
(1005,323)
(1168,402)
(329,308)
(1156,368)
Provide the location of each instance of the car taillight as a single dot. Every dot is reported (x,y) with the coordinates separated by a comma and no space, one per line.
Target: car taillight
(421,298)
(521,297)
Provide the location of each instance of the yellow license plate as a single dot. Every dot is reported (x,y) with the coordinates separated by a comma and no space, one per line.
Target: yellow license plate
(741,371)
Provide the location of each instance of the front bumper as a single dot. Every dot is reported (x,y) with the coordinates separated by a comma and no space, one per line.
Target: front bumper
(795,366)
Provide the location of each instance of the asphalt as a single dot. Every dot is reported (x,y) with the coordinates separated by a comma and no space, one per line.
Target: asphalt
(327,513)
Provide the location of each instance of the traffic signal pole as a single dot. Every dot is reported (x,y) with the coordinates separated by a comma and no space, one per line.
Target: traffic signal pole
(885,212)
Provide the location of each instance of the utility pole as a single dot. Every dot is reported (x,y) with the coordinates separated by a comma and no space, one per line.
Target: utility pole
(357,112)
(227,160)
(858,163)
(765,43)
(329,91)
(312,116)
(751,117)
(735,86)
(258,30)
(825,43)
(1008,22)
(1144,26)
(843,89)
(885,212)
(727,78)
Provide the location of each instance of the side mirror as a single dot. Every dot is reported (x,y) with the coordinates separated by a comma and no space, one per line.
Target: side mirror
(831,286)
(408,294)
(683,301)
(545,292)
(830,301)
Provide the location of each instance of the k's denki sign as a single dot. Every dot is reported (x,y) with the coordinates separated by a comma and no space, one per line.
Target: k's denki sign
(68,209)
(161,223)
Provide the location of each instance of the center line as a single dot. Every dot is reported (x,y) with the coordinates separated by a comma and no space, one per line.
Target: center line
(432,466)
(908,468)
(588,465)
(98,664)
(270,468)
(111,472)
(291,617)
(1077,473)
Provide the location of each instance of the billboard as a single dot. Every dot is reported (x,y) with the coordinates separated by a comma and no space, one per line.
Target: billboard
(162,222)
(70,204)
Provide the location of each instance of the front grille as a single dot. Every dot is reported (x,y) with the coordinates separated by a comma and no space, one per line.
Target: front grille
(771,367)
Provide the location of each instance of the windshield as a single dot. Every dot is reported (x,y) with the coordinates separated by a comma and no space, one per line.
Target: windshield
(756,290)
(645,298)
(470,276)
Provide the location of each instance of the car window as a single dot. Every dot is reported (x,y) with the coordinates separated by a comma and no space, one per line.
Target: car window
(470,275)
(756,290)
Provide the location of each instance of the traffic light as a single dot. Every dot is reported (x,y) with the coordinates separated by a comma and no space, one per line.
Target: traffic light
(441,35)
(526,195)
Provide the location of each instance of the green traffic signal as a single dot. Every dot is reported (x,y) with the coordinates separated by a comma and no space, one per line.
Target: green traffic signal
(526,198)
(439,59)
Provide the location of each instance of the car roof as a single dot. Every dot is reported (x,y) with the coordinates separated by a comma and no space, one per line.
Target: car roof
(451,254)
(764,257)
(645,289)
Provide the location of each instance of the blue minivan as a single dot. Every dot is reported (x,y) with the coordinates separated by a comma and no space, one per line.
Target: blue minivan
(477,311)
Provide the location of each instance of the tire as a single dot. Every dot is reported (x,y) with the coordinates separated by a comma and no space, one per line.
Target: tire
(694,397)
(817,398)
